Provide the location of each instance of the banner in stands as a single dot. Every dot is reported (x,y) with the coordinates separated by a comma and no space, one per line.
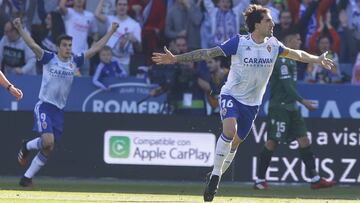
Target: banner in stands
(127,95)
(159,148)
(131,95)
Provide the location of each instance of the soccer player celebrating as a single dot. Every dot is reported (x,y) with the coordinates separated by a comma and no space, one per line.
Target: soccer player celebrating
(17,93)
(252,60)
(58,74)
(285,122)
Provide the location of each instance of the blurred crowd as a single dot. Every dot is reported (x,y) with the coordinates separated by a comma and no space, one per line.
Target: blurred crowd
(181,25)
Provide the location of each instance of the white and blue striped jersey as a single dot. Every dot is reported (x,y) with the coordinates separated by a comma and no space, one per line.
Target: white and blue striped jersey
(251,67)
(57,78)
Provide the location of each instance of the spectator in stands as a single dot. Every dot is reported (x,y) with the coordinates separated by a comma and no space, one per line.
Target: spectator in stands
(108,8)
(285,23)
(274,12)
(54,28)
(179,81)
(5,14)
(15,55)
(353,11)
(206,36)
(320,42)
(279,5)
(335,38)
(127,39)
(184,20)
(151,15)
(36,13)
(226,18)
(313,8)
(211,83)
(356,72)
(78,24)
(348,49)
(107,68)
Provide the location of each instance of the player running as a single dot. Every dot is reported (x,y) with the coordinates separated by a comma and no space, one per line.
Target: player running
(252,60)
(58,74)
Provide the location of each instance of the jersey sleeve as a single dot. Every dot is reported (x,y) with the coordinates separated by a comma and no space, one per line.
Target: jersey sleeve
(230,46)
(79,59)
(282,49)
(46,57)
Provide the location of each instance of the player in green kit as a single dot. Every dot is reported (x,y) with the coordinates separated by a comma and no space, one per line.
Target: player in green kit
(285,123)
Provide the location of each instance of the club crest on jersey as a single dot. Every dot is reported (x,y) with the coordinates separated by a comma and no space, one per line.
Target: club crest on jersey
(268,48)
(44,125)
(223,112)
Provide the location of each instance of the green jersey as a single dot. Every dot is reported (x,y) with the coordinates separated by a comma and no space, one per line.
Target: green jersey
(283,91)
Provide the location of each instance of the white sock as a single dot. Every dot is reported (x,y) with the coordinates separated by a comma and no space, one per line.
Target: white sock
(36,164)
(257,181)
(222,150)
(34,144)
(315,179)
(228,161)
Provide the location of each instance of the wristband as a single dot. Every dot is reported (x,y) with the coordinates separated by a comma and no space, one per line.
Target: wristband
(8,87)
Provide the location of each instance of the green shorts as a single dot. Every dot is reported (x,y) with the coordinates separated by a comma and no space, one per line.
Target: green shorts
(285,126)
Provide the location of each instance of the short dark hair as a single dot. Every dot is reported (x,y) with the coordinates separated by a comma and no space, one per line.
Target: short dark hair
(116,1)
(63,37)
(293,30)
(106,48)
(254,14)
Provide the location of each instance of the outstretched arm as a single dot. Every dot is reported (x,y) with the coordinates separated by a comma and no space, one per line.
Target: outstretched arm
(17,93)
(193,56)
(305,57)
(28,40)
(102,42)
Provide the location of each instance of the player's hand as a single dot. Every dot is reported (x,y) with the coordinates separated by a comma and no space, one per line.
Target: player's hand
(17,23)
(311,105)
(164,58)
(326,62)
(17,93)
(114,27)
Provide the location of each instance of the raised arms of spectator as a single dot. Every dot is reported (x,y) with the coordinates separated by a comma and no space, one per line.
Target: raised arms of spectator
(96,77)
(306,17)
(241,6)
(98,11)
(62,7)
(102,42)
(28,40)
(195,14)
(334,34)
(209,6)
(335,47)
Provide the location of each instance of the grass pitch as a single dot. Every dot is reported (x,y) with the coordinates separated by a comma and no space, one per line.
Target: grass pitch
(50,190)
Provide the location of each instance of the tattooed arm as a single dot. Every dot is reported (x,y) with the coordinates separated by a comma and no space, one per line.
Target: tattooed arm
(193,56)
